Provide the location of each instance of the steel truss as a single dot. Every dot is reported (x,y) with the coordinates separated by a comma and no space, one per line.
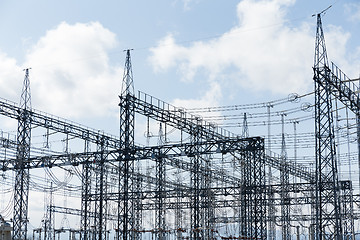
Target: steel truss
(126,213)
(331,206)
(332,200)
(21,193)
(160,226)
(100,190)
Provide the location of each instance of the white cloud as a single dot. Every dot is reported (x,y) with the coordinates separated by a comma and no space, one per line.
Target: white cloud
(353,11)
(71,75)
(186,3)
(11,78)
(264,53)
(337,43)
(210,98)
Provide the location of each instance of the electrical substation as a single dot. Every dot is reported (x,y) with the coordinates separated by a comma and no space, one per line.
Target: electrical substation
(284,169)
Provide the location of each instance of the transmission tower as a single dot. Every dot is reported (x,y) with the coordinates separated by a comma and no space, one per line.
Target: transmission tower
(126,212)
(327,205)
(21,192)
(284,176)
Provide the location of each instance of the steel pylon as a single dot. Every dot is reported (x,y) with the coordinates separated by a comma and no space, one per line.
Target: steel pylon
(21,193)
(126,212)
(327,204)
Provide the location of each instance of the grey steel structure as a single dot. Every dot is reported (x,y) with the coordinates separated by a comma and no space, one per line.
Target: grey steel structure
(116,162)
(126,212)
(327,207)
(21,193)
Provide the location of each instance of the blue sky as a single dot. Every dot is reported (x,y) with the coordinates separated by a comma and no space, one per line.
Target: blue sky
(192,52)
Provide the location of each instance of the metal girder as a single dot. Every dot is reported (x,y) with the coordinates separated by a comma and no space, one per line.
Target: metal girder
(343,88)
(304,188)
(293,169)
(57,124)
(64,126)
(161,111)
(171,151)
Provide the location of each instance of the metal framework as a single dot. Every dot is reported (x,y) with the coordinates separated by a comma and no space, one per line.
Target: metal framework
(333,82)
(21,193)
(160,188)
(254,195)
(126,213)
(85,197)
(100,191)
(248,198)
(284,177)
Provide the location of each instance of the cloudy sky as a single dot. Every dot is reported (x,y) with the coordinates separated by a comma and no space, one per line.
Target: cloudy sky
(186,52)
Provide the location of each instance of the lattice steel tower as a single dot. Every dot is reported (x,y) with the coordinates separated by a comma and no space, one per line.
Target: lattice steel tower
(126,211)
(327,205)
(21,193)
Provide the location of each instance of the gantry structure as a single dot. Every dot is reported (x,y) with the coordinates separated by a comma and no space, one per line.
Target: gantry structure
(182,189)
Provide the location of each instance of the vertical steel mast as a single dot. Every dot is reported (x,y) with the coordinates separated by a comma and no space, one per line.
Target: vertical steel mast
(327,204)
(86,177)
(126,211)
(284,177)
(100,190)
(160,179)
(21,193)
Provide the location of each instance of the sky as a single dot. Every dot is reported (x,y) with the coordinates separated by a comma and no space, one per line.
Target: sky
(186,52)
(190,53)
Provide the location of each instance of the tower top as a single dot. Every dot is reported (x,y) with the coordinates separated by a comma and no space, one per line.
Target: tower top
(127,83)
(320,59)
(25,100)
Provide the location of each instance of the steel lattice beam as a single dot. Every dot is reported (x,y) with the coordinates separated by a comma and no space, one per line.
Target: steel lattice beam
(158,110)
(90,135)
